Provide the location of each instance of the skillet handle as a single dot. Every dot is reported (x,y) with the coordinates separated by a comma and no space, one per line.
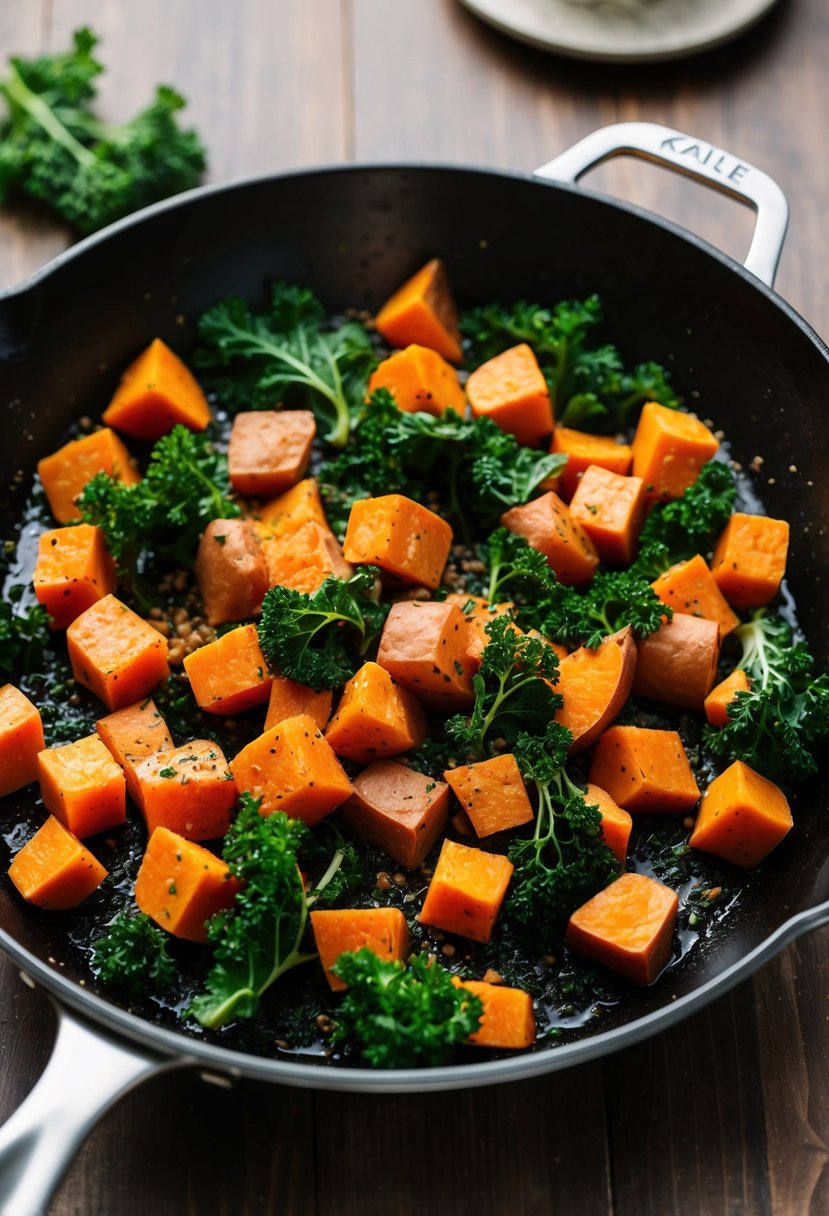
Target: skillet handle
(87,1071)
(697,159)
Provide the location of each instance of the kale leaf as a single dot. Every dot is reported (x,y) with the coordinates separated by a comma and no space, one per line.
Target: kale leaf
(132,956)
(24,633)
(678,530)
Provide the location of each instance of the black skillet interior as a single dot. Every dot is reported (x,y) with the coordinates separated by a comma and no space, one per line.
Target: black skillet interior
(736,354)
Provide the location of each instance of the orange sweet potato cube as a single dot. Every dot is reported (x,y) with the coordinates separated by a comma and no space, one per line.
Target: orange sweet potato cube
(719,698)
(231,570)
(750,559)
(269,450)
(375,718)
(156,392)
(420,381)
(423,311)
(116,654)
(188,789)
(65,473)
(292,768)
(21,739)
(400,536)
(691,588)
(478,613)
(507,1021)
(132,734)
(677,663)
(669,449)
(180,885)
(304,559)
(288,699)
(645,771)
(616,823)
(82,786)
(492,793)
(742,817)
(582,450)
(300,505)
(547,525)
(53,870)
(611,510)
(341,930)
(73,571)
(423,647)
(467,891)
(510,389)
(398,810)
(628,927)
(231,674)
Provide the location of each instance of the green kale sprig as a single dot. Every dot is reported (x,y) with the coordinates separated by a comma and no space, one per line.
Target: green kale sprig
(24,634)
(589,384)
(678,530)
(53,148)
(321,639)
(403,1016)
(288,354)
(780,725)
(132,956)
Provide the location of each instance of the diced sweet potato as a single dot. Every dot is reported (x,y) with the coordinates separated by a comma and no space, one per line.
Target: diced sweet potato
(188,789)
(116,654)
(400,536)
(53,870)
(492,793)
(375,718)
(423,311)
(231,674)
(508,1020)
(231,570)
(750,559)
(288,699)
(21,739)
(65,473)
(628,927)
(300,505)
(423,646)
(269,450)
(669,449)
(304,559)
(478,613)
(339,931)
(180,885)
(742,817)
(644,771)
(73,571)
(720,697)
(677,664)
(511,390)
(82,786)
(546,524)
(595,684)
(616,823)
(157,391)
(467,891)
(132,734)
(690,587)
(582,450)
(292,768)
(611,510)
(420,381)
(398,810)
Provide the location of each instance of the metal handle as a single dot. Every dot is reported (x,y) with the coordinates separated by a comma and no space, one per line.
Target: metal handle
(697,159)
(87,1071)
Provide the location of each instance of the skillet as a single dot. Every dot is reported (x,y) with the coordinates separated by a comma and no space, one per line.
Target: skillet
(735,350)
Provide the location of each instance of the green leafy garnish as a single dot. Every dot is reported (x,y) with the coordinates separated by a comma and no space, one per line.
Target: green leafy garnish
(24,633)
(678,530)
(132,955)
(259,939)
(53,148)
(321,639)
(403,1016)
(779,726)
(289,354)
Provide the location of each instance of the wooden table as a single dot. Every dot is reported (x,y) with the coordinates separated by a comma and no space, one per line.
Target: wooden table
(728,1112)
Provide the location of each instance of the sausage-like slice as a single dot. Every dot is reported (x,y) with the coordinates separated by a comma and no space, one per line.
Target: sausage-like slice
(231,570)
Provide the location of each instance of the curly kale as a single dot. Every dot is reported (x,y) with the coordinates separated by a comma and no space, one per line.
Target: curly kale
(53,148)
(678,530)
(24,634)
(613,600)
(132,956)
